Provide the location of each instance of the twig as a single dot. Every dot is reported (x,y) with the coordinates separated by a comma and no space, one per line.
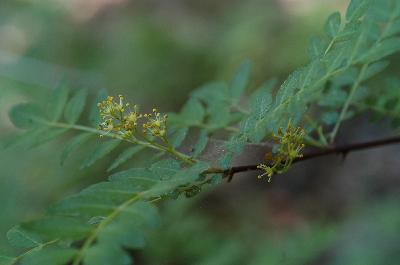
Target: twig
(343,150)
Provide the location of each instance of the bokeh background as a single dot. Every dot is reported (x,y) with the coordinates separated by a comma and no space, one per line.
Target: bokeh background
(327,211)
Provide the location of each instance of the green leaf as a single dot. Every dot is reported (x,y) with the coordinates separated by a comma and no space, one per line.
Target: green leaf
(95,202)
(192,112)
(75,106)
(33,138)
(225,160)
(332,25)
(261,100)
(134,173)
(58,100)
(212,91)
(50,228)
(124,232)
(329,118)
(112,190)
(165,169)
(125,156)
(178,136)
(218,103)
(375,69)
(23,140)
(201,143)
(357,9)
(94,116)
(106,254)
(218,115)
(26,115)
(334,98)
(50,255)
(393,29)
(258,131)
(103,198)
(216,179)
(240,81)
(254,126)
(47,136)
(317,48)
(288,87)
(145,214)
(234,146)
(381,50)
(101,151)
(7,260)
(349,32)
(22,239)
(73,145)
(182,177)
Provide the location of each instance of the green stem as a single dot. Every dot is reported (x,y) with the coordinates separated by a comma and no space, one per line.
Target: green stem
(147,142)
(171,150)
(360,76)
(188,160)
(322,137)
(92,237)
(330,46)
(322,143)
(347,104)
(89,241)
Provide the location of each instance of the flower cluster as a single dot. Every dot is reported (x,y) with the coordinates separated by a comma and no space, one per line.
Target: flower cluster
(156,124)
(120,118)
(290,147)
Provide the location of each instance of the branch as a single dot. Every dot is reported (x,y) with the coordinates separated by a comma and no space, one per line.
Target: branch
(342,150)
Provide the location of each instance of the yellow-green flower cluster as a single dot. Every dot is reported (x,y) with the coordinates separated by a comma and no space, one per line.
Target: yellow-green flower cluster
(119,118)
(290,142)
(156,124)
(290,147)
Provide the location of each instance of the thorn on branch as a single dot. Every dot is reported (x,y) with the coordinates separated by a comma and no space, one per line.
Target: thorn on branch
(344,155)
(230,174)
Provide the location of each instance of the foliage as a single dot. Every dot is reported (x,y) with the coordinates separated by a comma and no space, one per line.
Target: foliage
(99,224)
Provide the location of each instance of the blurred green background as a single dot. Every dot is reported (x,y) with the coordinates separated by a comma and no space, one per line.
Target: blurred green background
(155,52)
